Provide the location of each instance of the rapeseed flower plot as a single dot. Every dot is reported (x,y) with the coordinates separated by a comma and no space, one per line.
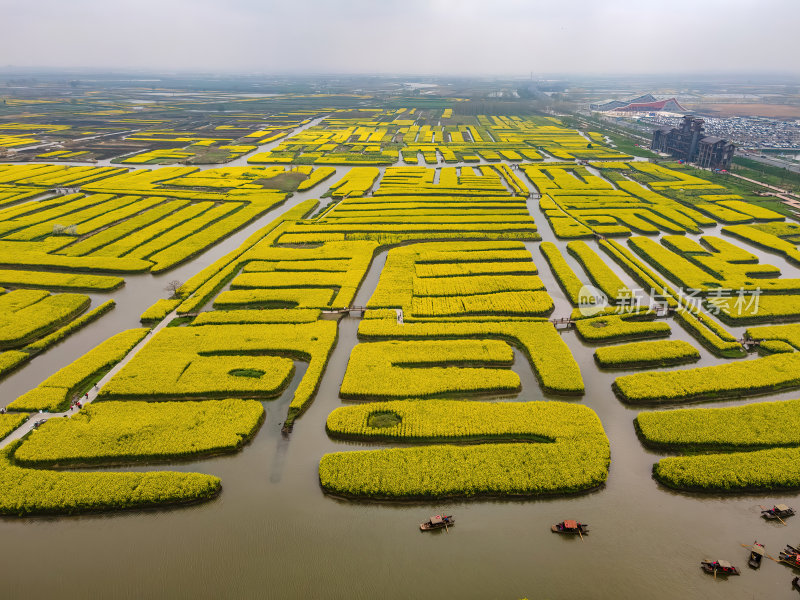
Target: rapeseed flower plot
(428,368)
(550,357)
(114,432)
(753,446)
(564,274)
(789,334)
(694,270)
(226,361)
(26,491)
(599,272)
(623,326)
(662,353)
(767,374)
(10,421)
(28,314)
(566,450)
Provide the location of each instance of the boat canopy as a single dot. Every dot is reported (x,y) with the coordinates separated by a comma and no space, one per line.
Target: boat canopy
(758,549)
(570,524)
(436,520)
(724,564)
(781,507)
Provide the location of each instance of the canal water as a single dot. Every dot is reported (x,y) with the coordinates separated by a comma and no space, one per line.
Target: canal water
(273,533)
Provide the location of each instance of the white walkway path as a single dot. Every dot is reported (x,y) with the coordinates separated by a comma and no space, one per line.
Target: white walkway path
(27,426)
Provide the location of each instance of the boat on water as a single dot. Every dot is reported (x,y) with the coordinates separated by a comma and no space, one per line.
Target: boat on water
(779,511)
(437,522)
(791,556)
(719,567)
(570,526)
(757,553)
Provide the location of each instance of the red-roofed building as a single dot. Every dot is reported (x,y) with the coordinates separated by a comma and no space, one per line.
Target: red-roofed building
(668,105)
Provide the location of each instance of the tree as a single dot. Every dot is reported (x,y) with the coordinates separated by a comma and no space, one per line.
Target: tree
(173,287)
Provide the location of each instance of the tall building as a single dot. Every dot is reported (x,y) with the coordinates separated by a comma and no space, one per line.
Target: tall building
(688,142)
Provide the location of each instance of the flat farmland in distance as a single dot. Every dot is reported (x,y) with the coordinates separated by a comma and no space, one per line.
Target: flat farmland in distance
(780,111)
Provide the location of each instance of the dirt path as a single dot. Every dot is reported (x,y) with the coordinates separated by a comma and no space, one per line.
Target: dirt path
(766,185)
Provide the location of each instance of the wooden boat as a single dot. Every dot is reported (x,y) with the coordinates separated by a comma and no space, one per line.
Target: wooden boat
(570,526)
(790,556)
(757,552)
(438,522)
(719,567)
(796,583)
(778,511)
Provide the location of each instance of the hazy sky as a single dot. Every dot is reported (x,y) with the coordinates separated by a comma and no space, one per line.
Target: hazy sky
(409,36)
